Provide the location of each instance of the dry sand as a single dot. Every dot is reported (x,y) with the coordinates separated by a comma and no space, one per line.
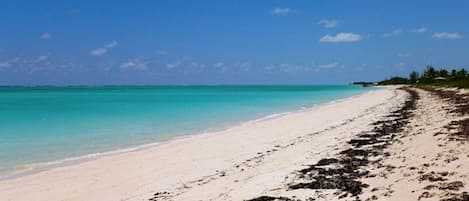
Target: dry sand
(426,162)
(264,157)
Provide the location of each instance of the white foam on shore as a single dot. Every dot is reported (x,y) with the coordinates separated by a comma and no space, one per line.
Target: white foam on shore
(43,166)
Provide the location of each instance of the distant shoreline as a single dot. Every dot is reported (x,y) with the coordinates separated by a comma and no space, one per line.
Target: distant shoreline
(170,85)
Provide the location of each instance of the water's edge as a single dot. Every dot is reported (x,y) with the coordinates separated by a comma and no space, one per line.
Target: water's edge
(45,166)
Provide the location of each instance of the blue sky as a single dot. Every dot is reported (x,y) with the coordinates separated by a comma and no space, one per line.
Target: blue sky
(227,42)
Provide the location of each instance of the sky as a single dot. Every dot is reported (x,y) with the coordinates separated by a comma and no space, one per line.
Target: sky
(150,42)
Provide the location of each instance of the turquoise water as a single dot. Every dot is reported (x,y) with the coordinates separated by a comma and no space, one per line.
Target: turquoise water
(42,124)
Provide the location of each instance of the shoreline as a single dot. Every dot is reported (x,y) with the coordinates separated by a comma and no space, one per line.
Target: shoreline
(245,142)
(48,165)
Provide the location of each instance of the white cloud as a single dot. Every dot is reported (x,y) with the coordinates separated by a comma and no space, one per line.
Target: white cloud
(329,23)
(37,60)
(288,68)
(221,66)
(395,32)
(40,63)
(218,65)
(41,58)
(4,64)
(127,64)
(341,37)
(103,50)
(244,66)
(135,64)
(269,67)
(111,45)
(331,65)
(196,65)
(173,65)
(99,52)
(281,11)
(420,30)
(45,36)
(446,35)
(9,63)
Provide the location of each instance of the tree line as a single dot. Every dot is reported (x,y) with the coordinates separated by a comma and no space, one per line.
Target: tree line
(432,76)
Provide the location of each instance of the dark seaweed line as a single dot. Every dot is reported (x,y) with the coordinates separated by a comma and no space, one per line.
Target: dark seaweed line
(343,172)
(461,107)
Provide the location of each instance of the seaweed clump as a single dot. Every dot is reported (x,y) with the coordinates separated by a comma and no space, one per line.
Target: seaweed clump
(344,172)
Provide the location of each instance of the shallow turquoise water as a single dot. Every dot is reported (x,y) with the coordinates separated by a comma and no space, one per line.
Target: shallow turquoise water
(40,124)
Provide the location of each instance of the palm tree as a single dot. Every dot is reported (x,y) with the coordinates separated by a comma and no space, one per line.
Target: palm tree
(429,74)
(443,73)
(413,77)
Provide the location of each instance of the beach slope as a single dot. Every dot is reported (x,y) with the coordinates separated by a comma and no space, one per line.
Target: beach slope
(248,161)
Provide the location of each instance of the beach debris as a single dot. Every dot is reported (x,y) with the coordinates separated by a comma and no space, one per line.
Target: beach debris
(454,186)
(460,103)
(432,177)
(163,195)
(343,173)
(270,198)
(464,196)
(426,194)
(458,130)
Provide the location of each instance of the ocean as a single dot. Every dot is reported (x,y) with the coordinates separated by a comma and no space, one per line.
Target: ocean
(40,126)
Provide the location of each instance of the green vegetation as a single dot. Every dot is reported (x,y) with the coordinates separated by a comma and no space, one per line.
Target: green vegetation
(394,80)
(431,76)
(365,84)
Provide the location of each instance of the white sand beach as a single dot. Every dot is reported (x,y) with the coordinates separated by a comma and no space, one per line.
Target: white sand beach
(182,165)
(243,162)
